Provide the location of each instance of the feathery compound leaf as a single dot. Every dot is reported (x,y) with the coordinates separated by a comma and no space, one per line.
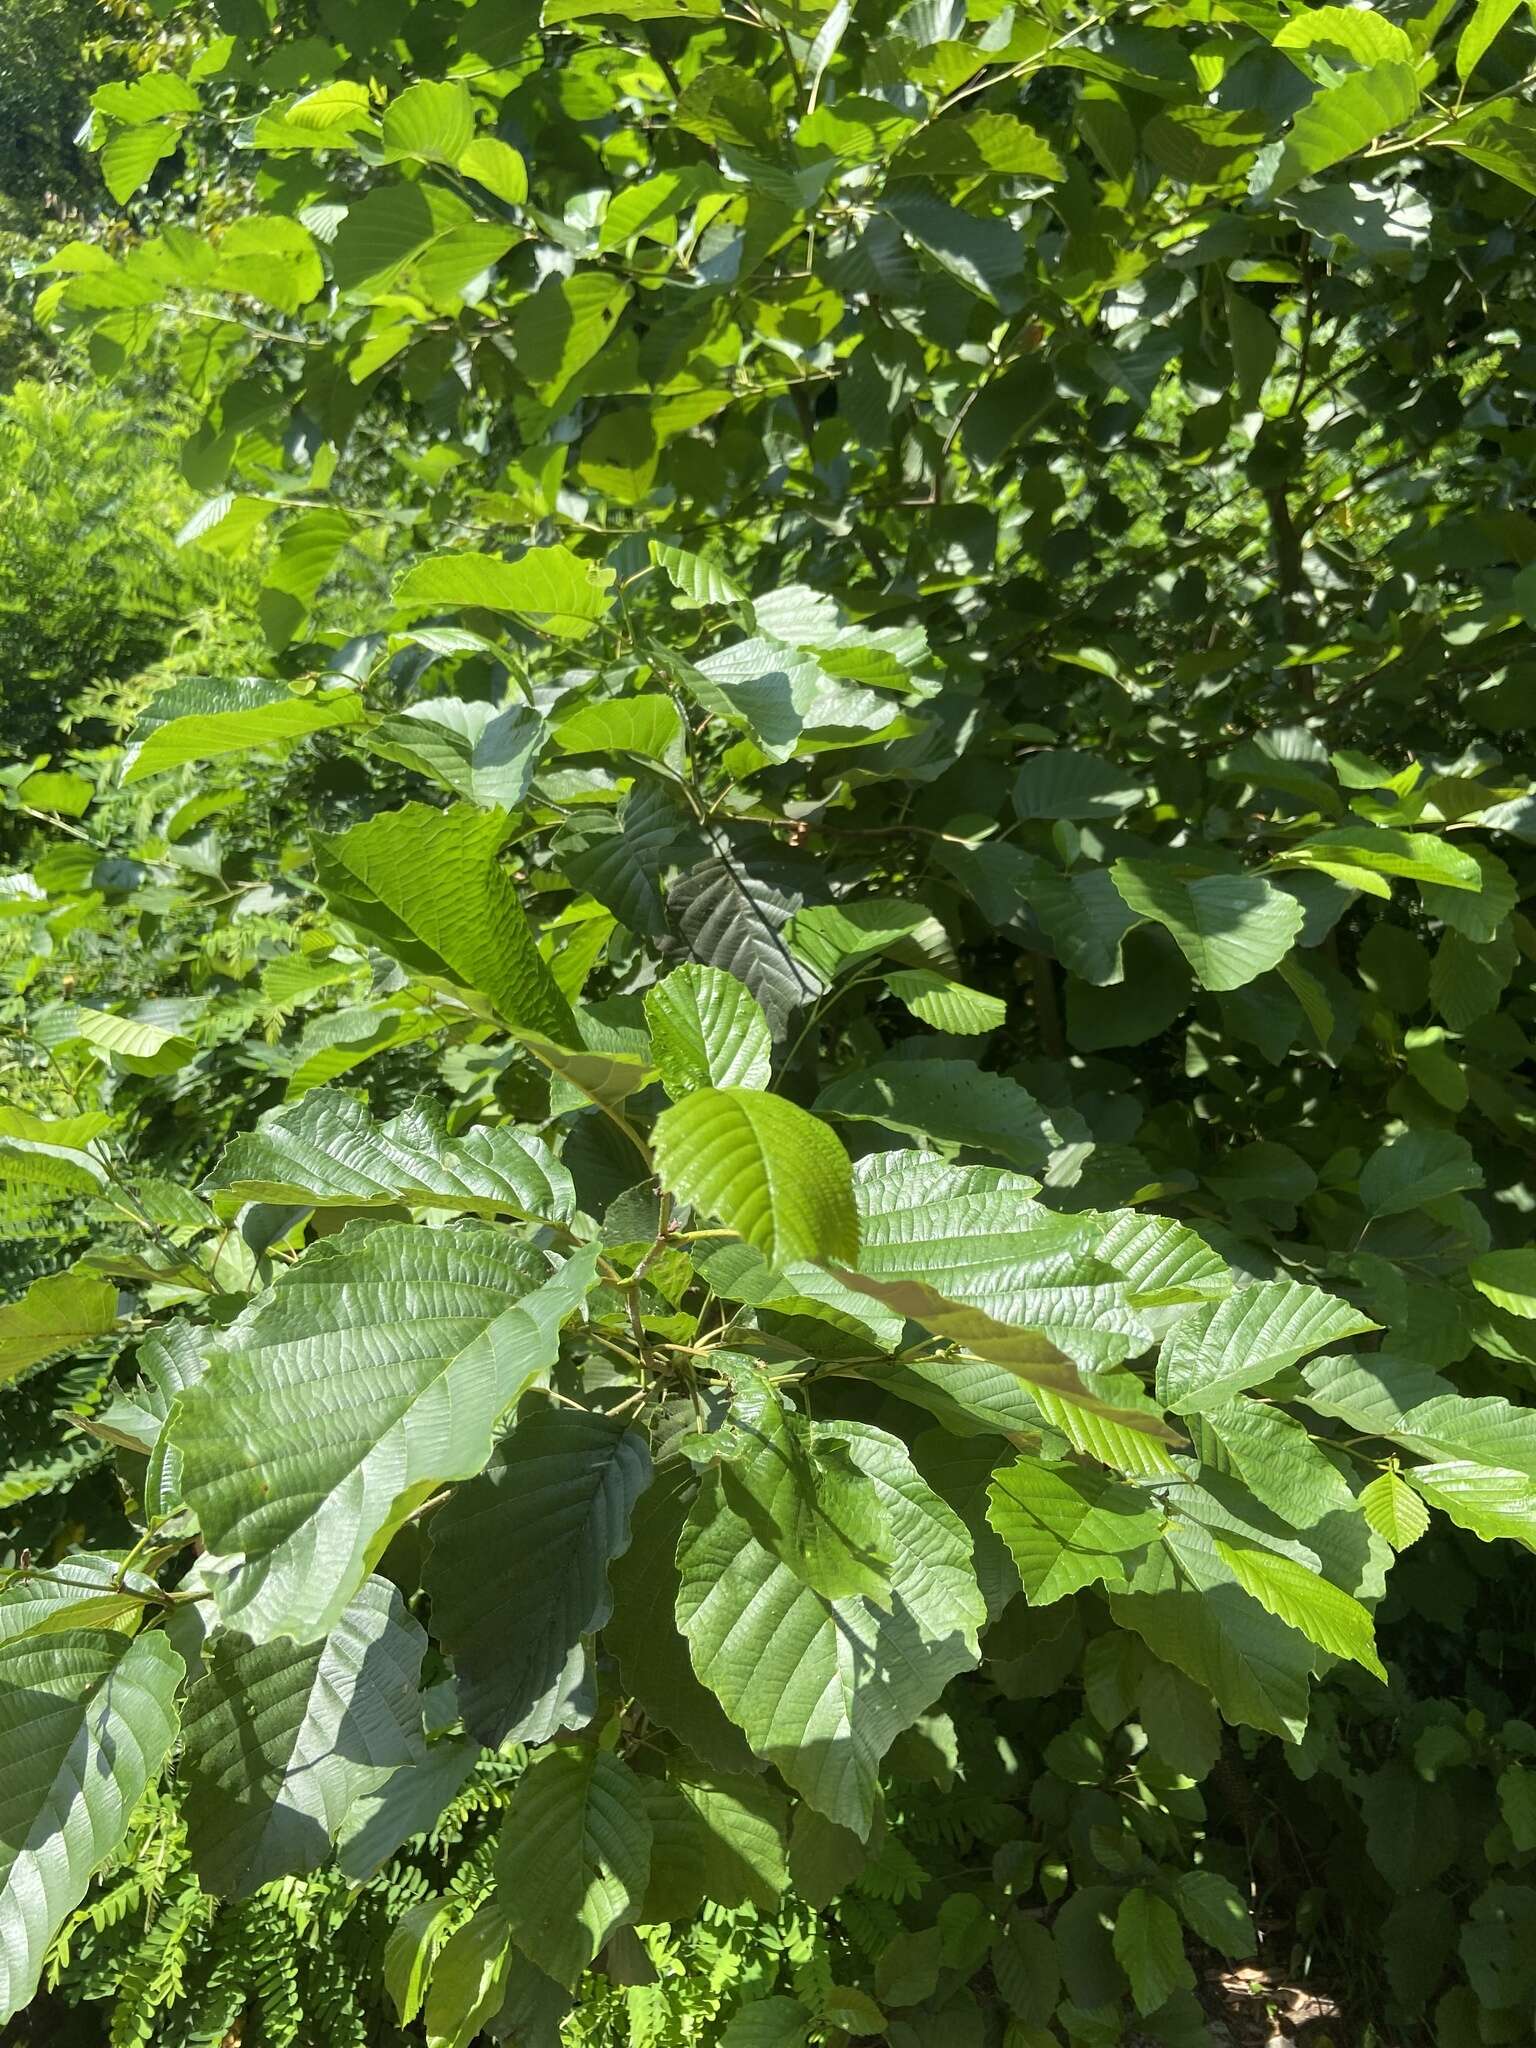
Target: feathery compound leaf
(427,888)
(518,1569)
(281,1738)
(1394,1510)
(707,1031)
(87,1717)
(326,1148)
(374,1370)
(1217,1351)
(822,1688)
(1321,1611)
(573,1858)
(770,1171)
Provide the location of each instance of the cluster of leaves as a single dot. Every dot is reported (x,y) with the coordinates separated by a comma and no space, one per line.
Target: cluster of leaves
(851,1115)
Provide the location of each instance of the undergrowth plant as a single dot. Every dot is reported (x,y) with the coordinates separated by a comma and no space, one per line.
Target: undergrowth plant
(804,1136)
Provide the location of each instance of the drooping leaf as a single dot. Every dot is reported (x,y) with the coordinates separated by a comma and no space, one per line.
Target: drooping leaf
(518,1569)
(370,1373)
(281,1738)
(86,1720)
(205,717)
(573,1858)
(427,887)
(822,1688)
(1321,1611)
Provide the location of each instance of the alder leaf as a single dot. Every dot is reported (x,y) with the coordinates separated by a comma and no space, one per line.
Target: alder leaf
(1230,928)
(768,1170)
(87,1718)
(281,1738)
(370,1373)
(707,1031)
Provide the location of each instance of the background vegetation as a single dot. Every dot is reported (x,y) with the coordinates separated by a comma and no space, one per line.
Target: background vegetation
(845,695)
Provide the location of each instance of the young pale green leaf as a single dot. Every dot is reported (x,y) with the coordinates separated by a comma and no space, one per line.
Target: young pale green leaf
(1379,850)
(1067,1527)
(370,1373)
(57,1314)
(1230,928)
(947,1005)
(1218,1350)
(433,121)
(498,167)
(1149,1947)
(1394,1510)
(700,580)
(518,1568)
(130,156)
(1321,1611)
(768,1170)
(326,1149)
(87,1718)
(573,1858)
(551,588)
(138,1045)
(821,1688)
(53,1151)
(1507,1279)
(427,888)
(707,1031)
(1358,35)
(281,1738)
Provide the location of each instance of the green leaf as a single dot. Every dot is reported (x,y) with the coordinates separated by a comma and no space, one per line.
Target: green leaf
(1415,1168)
(1507,1279)
(821,1688)
(518,1568)
(496,166)
(767,1169)
(1343,119)
(474,749)
(77,1592)
(558,329)
(1394,1510)
(1149,1947)
(1483,26)
(1213,1911)
(741,1822)
(326,1149)
(707,1031)
(1488,1500)
(700,580)
(642,1632)
(955,1102)
(87,1718)
(550,588)
(427,887)
(130,156)
(1321,1611)
(1216,1351)
(1230,928)
(647,725)
(1359,35)
(1377,850)
(469,1980)
(57,1314)
(1067,1527)
(272,259)
(947,1005)
(370,1373)
(204,717)
(1276,1460)
(573,1858)
(433,121)
(137,1045)
(281,1738)
(1063,783)
(729,918)
(799,1492)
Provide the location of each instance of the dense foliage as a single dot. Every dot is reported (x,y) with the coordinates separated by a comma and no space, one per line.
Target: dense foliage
(766,1142)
